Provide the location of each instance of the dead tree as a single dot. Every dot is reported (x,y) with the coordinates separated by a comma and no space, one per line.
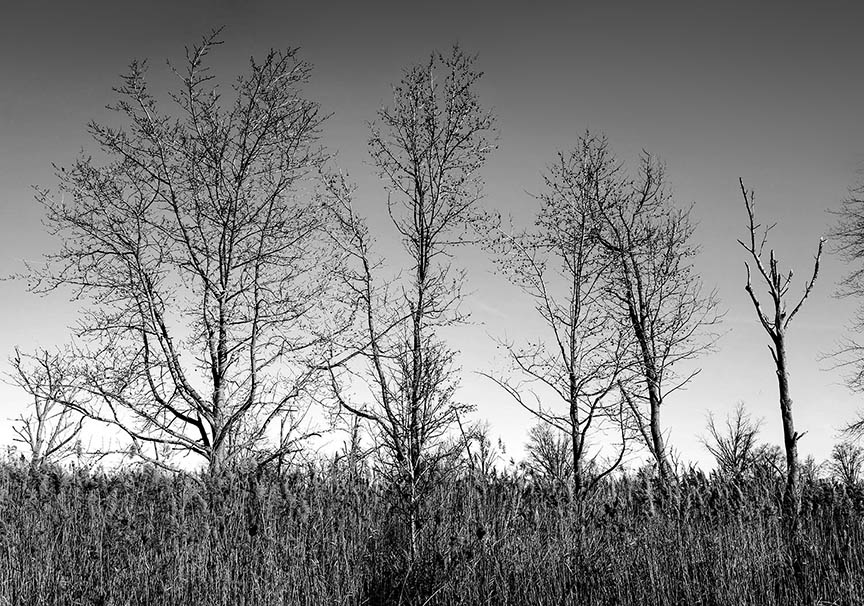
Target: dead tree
(585,353)
(775,320)
(670,317)
(428,148)
(201,269)
(49,431)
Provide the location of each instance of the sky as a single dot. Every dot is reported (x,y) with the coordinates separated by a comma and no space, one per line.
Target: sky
(770,92)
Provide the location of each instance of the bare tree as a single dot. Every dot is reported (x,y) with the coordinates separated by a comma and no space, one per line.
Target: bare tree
(48,430)
(481,453)
(548,454)
(768,462)
(733,446)
(428,148)
(652,278)
(560,263)
(848,236)
(201,268)
(775,320)
(847,463)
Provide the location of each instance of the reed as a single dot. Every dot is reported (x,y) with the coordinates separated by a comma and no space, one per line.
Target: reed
(323,536)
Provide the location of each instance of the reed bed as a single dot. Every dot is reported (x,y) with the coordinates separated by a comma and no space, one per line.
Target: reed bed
(323,536)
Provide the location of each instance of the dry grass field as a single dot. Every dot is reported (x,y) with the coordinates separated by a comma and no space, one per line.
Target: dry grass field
(323,536)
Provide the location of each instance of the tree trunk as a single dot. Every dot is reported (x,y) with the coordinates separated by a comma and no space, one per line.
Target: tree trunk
(216,462)
(578,472)
(792,491)
(576,438)
(655,400)
(658,444)
(217,456)
(413,518)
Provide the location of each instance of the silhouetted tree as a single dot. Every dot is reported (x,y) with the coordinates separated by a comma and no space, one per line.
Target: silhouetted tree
(775,320)
(846,464)
(561,264)
(201,270)
(848,235)
(548,454)
(428,147)
(650,245)
(734,446)
(48,430)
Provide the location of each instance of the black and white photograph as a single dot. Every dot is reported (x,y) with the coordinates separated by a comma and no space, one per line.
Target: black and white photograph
(445,303)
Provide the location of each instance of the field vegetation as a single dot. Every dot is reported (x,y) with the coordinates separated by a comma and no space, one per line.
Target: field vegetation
(236,307)
(322,533)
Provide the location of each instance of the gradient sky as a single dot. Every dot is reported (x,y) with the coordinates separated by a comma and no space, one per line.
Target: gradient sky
(769,92)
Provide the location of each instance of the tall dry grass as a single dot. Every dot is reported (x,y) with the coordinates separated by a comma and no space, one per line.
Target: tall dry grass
(323,536)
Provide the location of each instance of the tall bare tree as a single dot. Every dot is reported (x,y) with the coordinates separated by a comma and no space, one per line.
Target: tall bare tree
(201,267)
(775,320)
(652,278)
(560,263)
(48,430)
(429,147)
